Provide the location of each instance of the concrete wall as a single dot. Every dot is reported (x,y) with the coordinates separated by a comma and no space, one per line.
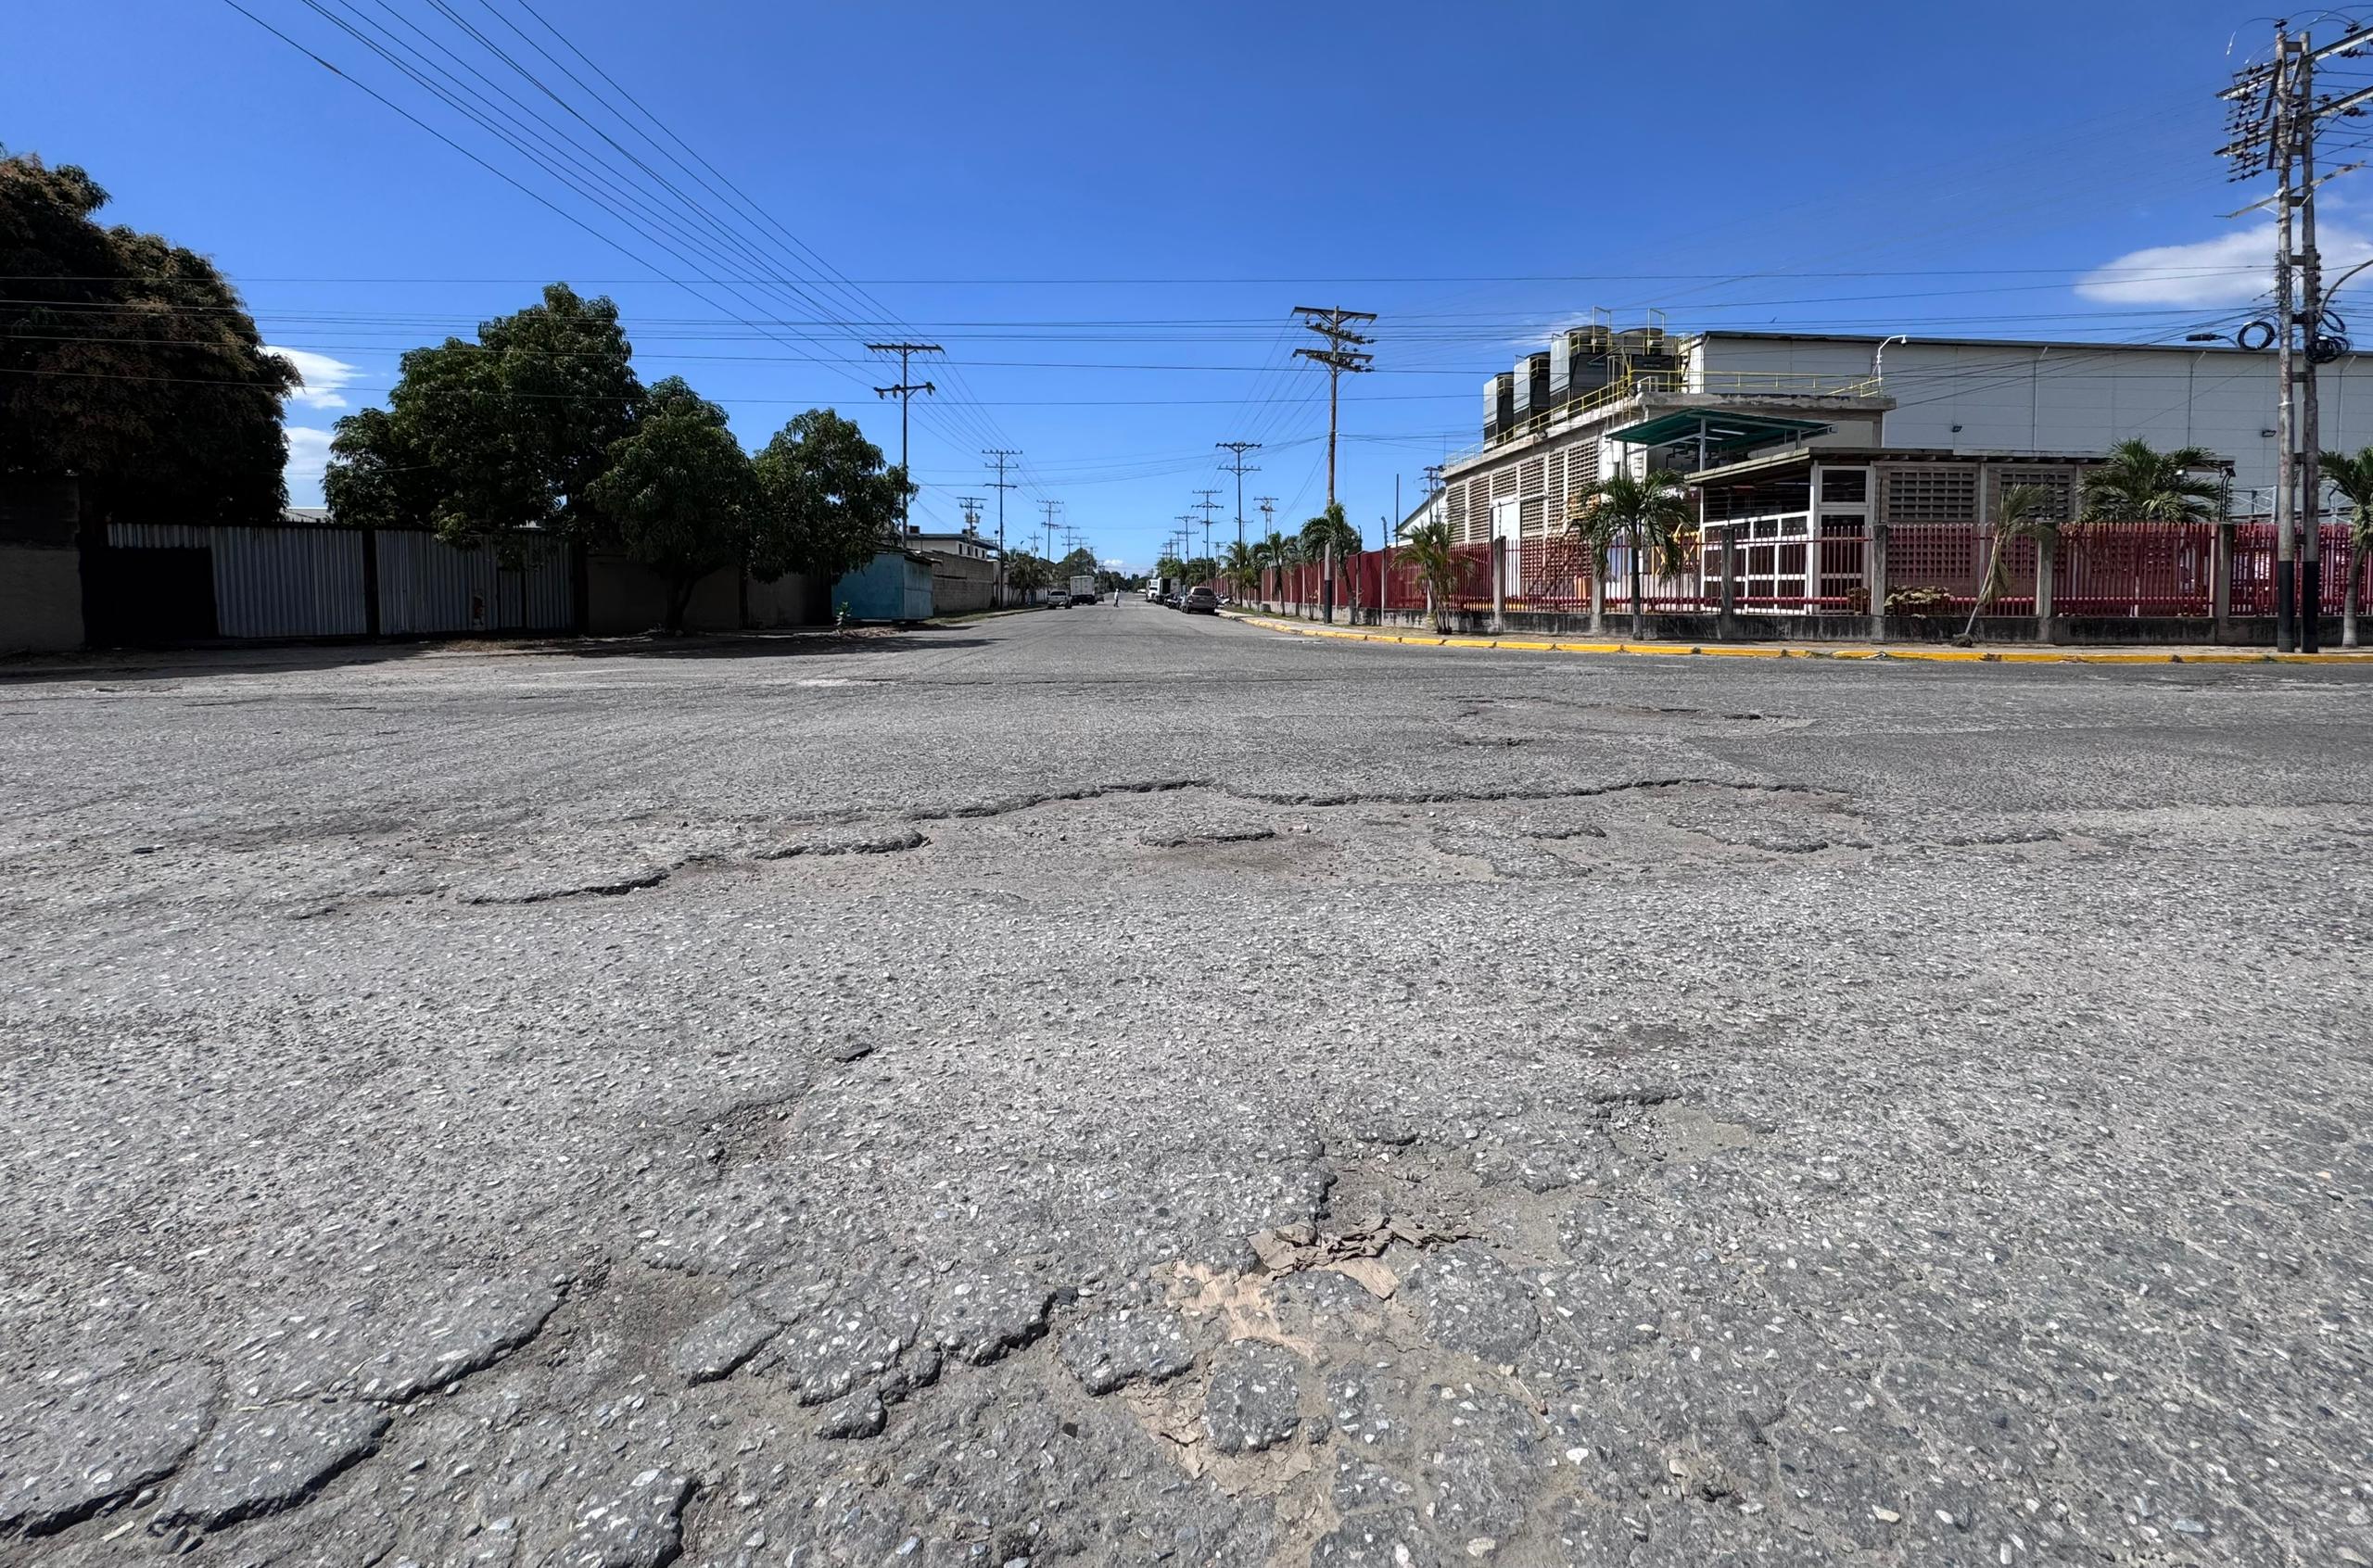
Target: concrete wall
(960,583)
(2077,398)
(624,597)
(40,566)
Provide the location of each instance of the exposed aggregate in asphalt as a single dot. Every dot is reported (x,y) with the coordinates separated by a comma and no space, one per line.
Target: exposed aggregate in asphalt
(1105,1087)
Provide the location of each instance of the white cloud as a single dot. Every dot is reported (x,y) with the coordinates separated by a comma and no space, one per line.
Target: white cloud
(1113,562)
(308,455)
(2232,269)
(324,377)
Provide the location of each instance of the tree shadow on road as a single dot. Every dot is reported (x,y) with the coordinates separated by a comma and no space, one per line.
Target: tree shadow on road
(117,666)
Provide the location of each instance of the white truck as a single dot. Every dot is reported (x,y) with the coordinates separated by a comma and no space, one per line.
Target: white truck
(1084,589)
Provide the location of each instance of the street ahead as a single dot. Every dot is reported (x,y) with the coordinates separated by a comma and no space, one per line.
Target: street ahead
(1115,1087)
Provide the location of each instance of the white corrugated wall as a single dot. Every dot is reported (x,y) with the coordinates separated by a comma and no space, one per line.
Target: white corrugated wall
(308,581)
(426,586)
(269,581)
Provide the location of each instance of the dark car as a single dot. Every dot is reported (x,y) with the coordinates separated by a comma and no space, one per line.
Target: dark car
(1200,601)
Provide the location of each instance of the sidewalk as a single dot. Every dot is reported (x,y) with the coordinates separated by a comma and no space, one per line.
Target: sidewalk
(1919,652)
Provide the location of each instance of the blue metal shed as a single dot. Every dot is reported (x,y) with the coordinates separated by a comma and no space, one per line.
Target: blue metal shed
(893,586)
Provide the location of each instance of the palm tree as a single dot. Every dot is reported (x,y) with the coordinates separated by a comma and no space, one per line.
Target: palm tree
(2023,514)
(1650,512)
(2141,484)
(1329,528)
(2353,477)
(1329,538)
(1242,566)
(1425,549)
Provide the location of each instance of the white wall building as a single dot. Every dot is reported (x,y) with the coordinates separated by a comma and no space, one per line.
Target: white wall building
(1966,394)
(1934,394)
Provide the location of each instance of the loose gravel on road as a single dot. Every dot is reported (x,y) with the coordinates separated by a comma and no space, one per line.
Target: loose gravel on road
(1108,1087)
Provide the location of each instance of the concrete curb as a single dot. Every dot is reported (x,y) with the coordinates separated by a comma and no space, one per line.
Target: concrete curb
(1846,651)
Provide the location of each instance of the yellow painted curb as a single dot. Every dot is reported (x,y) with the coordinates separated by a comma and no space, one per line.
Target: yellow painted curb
(1847,652)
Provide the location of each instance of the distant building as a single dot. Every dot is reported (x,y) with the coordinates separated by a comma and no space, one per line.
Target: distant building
(966,544)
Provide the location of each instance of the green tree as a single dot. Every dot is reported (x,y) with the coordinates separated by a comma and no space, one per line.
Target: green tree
(1329,528)
(512,431)
(1170,567)
(1027,572)
(680,495)
(2353,477)
(2024,512)
(1647,513)
(129,362)
(1427,551)
(1242,567)
(2141,484)
(831,502)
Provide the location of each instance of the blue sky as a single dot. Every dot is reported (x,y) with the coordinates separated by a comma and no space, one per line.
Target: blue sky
(1105,212)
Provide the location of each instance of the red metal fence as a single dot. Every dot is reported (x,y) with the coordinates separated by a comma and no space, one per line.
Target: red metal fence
(2099,569)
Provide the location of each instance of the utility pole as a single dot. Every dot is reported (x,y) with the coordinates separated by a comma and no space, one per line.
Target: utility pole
(1207,506)
(2275,122)
(1185,538)
(1049,533)
(1343,352)
(1239,469)
(1001,456)
(904,392)
(1268,505)
(971,505)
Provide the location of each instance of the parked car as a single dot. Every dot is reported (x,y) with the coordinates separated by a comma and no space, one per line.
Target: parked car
(1200,601)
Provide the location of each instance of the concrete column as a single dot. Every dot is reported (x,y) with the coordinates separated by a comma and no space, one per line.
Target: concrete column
(1727,626)
(1499,586)
(2220,580)
(2046,548)
(1874,578)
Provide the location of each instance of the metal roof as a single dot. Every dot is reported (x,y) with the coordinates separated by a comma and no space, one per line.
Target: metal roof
(1723,429)
(1769,463)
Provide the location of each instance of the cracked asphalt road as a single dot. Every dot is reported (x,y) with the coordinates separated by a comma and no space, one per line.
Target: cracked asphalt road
(1110,1087)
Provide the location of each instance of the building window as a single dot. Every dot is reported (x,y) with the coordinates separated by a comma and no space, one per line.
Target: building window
(1844,483)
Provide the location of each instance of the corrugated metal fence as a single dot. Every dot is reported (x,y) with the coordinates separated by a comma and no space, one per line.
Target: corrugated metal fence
(296,580)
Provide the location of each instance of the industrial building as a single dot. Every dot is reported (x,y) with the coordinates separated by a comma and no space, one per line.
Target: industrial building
(1598,397)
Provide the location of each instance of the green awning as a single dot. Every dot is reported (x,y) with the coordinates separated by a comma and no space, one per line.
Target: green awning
(1724,431)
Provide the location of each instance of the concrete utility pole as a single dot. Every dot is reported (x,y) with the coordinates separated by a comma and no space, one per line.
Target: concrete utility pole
(1207,506)
(1334,323)
(904,392)
(971,505)
(2273,130)
(1239,468)
(1047,534)
(1001,456)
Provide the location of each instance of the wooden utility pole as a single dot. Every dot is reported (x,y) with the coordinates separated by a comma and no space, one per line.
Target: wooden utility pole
(904,392)
(1344,351)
